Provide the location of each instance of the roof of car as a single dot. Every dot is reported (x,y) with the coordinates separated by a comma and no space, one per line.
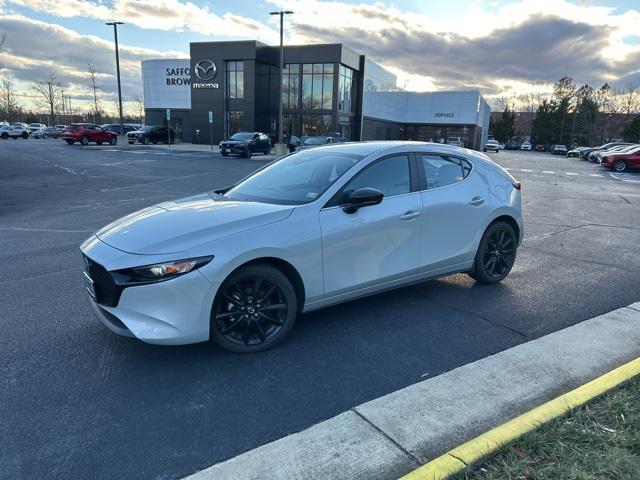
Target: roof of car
(369,147)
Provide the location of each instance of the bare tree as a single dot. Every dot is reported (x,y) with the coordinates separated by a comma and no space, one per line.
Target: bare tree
(95,87)
(628,100)
(138,105)
(8,103)
(49,94)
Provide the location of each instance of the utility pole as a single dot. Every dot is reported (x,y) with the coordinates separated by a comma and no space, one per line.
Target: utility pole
(280,147)
(115,35)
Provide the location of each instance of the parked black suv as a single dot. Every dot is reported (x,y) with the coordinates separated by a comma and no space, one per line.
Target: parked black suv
(150,134)
(246,144)
(115,128)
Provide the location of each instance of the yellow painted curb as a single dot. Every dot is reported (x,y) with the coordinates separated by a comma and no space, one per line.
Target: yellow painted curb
(472,451)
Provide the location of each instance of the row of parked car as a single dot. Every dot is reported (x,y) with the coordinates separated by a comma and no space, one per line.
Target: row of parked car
(39,130)
(619,156)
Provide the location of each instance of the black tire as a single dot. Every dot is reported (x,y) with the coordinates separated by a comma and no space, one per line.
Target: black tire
(70,142)
(145,141)
(113,140)
(99,143)
(254,309)
(224,153)
(4,135)
(25,135)
(84,140)
(247,153)
(496,253)
(619,165)
(267,151)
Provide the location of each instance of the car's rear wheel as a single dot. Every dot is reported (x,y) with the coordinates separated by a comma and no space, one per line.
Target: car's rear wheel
(496,253)
(113,140)
(4,135)
(254,310)
(619,165)
(25,135)
(84,140)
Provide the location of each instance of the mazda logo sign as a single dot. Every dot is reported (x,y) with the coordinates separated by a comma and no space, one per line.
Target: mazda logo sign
(206,70)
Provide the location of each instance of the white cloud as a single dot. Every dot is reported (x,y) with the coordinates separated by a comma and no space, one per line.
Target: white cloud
(158,14)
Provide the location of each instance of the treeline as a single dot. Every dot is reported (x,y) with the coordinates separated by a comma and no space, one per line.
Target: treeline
(576,115)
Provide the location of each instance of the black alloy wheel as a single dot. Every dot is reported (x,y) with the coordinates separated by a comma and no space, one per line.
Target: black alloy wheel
(619,165)
(496,253)
(84,140)
(254,310)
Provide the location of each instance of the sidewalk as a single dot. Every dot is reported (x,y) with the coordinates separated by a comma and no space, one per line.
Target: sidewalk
(176,147)
(391,436)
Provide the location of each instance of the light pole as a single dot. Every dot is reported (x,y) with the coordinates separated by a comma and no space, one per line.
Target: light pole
(280,147)
(115,34)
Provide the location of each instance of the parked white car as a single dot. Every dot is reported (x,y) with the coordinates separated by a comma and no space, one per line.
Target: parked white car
(15,130)
(525,146)
(36,126)
(492,145)
(313,229)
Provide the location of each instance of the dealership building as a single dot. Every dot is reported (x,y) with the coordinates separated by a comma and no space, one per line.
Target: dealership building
(227,87)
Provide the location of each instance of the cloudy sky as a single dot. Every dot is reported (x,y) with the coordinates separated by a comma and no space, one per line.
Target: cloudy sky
(502,47)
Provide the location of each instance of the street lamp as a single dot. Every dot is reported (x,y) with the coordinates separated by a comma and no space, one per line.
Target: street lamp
(115,34)
(280,148)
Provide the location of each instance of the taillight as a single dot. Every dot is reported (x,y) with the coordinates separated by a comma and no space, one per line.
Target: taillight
(517,185)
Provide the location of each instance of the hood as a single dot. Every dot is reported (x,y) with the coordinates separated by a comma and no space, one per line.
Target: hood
(180,225)
(235,142)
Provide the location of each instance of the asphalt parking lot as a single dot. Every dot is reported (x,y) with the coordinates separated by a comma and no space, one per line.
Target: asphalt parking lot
(79,402)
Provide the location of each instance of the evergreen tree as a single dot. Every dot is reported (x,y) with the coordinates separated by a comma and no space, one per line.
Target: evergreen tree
(632,131)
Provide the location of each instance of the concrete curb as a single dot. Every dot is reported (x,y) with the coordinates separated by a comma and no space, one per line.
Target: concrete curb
(469,453)
(392,435)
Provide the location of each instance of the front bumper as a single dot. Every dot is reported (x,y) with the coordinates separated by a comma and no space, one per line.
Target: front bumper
(173,312)
(233,148)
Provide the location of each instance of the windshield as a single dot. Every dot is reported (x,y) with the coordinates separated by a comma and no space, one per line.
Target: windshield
(298,178)
(242,136)
(145,129)
(315,141)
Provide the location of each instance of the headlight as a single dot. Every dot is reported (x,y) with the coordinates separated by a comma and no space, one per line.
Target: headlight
(159,271)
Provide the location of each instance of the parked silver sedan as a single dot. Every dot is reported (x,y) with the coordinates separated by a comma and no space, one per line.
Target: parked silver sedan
(315,228)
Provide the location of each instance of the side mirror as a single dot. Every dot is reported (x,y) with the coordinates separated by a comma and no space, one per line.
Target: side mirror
(362,197)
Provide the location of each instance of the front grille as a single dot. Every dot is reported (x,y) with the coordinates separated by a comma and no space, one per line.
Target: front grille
(106,290)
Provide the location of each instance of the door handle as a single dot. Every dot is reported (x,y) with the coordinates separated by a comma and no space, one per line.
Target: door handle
(476,201)
(410,215)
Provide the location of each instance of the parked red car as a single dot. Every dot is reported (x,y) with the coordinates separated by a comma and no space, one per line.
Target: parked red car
(622,161)
(88,132)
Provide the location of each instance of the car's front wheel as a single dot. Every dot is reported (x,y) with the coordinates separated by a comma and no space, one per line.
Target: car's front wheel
(254,309)
(84,140)
(70,142)
(619,165)
(145,141)
(496,253)
(113,140)
(247,153)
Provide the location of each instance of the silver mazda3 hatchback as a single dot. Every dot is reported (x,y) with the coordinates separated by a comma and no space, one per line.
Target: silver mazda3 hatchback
(315,228)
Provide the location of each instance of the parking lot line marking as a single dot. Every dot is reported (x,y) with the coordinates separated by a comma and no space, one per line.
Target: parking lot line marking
(595,175)
(548,171)
(571,173)
(458,458)
(525,170)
